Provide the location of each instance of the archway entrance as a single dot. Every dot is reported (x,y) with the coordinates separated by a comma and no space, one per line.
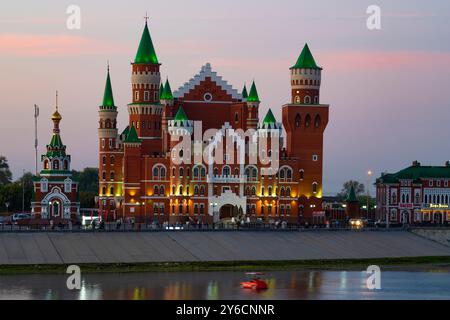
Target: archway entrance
(438,218)
(405,217)
(228,212)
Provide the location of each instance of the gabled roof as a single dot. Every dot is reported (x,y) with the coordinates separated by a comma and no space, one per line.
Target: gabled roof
(108,99)
(181,115)
(132,136)
(305,60)
(146,52)
(269,118)
(253,95)
(206,71)
(416,173)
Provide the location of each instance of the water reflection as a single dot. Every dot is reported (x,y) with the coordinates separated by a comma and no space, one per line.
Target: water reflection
(226,285)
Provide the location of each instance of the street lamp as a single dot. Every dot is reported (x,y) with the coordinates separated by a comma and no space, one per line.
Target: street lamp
(369,175)
(7,206)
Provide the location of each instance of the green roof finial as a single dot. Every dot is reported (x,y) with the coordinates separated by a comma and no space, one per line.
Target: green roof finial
(305,60)
(146,52)
(351,197)
(244,92)
(269,118)
(253,95)
(181,115)
(167,93)
(108,99)
(132,136)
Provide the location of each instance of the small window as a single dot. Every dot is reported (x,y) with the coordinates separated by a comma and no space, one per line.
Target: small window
(136,95)
(315,157)
(314,187)
(146,96)
(307,100)
(236,117)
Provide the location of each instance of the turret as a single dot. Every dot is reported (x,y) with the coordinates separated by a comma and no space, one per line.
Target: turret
(252,106)
(352,204)
(305,79)
(145,110)
(180,128)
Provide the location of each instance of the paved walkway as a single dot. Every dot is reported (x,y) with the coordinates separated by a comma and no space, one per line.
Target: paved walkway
(56,248)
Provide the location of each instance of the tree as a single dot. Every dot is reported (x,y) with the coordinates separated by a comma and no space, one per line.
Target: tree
(87,186)
(5,173)
(359,188)
(12,193)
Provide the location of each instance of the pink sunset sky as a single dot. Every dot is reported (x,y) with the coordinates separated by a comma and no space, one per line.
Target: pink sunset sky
(388,90)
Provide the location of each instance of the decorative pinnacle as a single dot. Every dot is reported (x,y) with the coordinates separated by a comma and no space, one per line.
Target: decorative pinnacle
(56,100)
(146,17)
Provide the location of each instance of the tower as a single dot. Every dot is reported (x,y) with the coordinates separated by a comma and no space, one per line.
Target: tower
(166,98)
(55,192)
(305,120)
(352,204)
(252,105)
(145,110)
(108,158)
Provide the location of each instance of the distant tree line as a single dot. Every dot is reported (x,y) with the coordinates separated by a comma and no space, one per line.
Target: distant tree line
(11,192)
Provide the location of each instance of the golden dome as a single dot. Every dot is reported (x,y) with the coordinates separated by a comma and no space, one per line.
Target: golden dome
(56,116)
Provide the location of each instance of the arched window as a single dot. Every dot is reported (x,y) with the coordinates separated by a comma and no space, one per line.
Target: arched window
(236,171)
(253,191)
(55,164)
(288,173)
(317,121)
(104,191)
(282,174)
(270,191)
(226,171)
(111,175)
(66,165)
(155,173)
(282,192)
(216,171)
(163,173)
(302,173)
(314,187)
(161,190)
(203,172)
(316,100)
(255,174)
(173,172)
(181,172)
(247,191)
(188,172)
(307,120)
(112,159)
(196,190)
(155,190)
(288,192)
(298,120)
(173,190)
(202,190)
(262,190)
(46,164)
(297,99)
(236,117)
(195,173)
(180,190)
(307,100)
(104,175)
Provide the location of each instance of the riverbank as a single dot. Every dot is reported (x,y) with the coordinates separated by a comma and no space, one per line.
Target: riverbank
(441,264)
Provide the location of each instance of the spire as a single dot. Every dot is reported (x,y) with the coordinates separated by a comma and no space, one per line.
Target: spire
(161,91)
(132,136)
(146,52)
(269,118)
(181,115)
(305,60)
(56,146)
(56,117)
(351,197)
(253,95)
(244,92)
(108,99)
(167,92)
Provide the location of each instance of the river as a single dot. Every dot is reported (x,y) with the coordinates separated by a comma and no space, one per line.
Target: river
(225,285)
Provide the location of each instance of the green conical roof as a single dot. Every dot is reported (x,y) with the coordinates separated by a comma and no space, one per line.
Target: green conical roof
(253,95)
(351,197)
(244,92)
(108,99)
(132,136)
(167,92)
(125,131)
(146,52)
(305,60)
(269,118)
(181,115)
(161,91)
(56,141)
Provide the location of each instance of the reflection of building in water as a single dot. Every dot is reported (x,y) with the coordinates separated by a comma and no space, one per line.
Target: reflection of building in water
(178,291)
(212,292)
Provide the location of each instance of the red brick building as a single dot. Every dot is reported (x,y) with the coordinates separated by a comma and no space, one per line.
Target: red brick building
(140,178)
(415,195)
(55,195)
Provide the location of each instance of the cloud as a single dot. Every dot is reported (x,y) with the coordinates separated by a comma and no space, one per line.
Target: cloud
(29,45)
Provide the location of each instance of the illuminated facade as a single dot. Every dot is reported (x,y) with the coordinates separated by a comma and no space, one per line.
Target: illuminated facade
(139,177)
(55,194)
(417,194)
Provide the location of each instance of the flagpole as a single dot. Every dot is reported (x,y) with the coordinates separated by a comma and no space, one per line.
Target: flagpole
(36,115)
